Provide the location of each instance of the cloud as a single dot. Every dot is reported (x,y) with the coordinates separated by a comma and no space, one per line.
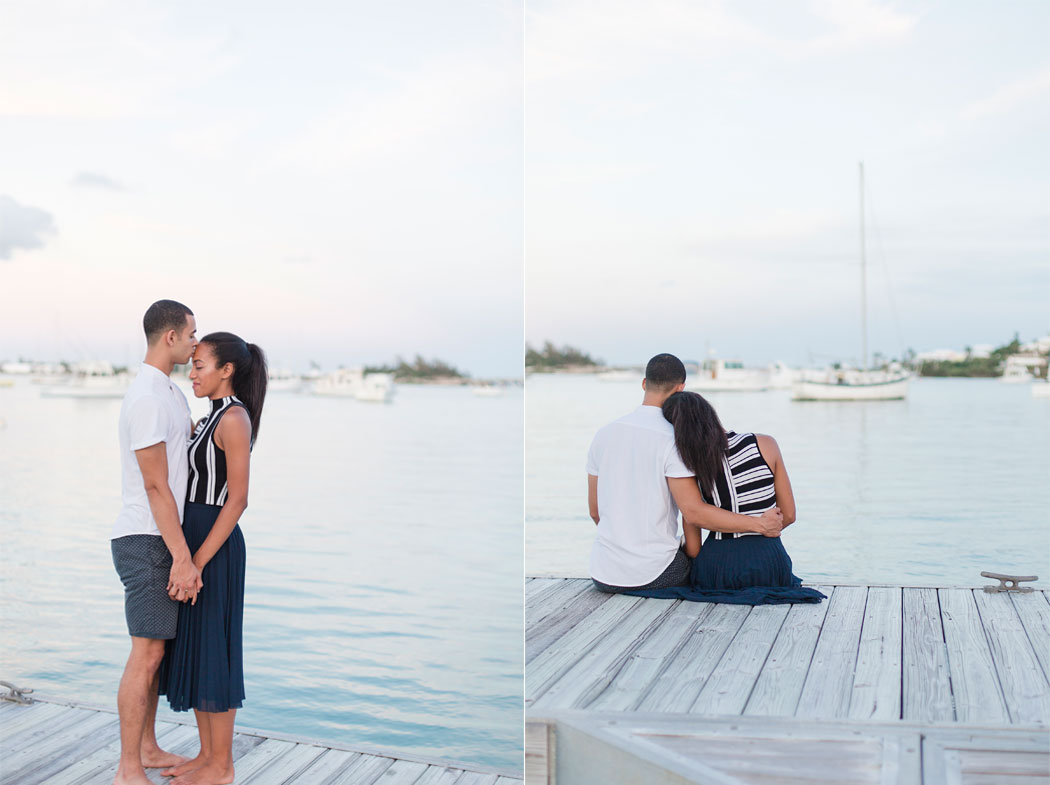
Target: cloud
(614,36)
(94,180)
(22,226)
(1009,96)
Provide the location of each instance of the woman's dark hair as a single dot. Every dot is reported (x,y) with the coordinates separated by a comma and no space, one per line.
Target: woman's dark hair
(699,436)
(249,371)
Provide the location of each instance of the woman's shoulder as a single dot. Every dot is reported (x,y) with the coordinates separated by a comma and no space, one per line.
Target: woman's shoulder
(767,445)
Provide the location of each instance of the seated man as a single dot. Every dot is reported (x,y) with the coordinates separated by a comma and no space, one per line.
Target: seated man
(636,483)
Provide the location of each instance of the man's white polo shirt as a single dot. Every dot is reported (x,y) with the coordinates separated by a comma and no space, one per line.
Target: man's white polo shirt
(638,519)
(154,411)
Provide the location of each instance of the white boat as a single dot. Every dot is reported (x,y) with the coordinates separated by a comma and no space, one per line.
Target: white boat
(717,375)
(487,390)
(90,380)
(282,380)
(781,377)
(620,375)
(355,383)
(850,384)
(1015,371)
(854,384)
(1041,389)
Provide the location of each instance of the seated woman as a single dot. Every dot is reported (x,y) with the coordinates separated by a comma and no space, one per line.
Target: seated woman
(743,473)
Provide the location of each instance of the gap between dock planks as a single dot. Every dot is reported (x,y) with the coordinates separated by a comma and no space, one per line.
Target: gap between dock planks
(57,743)
(922,654)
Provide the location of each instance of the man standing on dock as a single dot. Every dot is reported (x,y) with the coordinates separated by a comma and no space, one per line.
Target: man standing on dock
(149,550)
(636,484)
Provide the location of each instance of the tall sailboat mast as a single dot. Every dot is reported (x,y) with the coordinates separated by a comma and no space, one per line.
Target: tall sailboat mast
(863,280)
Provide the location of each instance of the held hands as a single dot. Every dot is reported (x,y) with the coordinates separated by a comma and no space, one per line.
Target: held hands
(770,523)
(184,581)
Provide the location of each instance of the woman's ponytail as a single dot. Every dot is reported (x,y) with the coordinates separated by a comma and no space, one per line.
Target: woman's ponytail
(252,389)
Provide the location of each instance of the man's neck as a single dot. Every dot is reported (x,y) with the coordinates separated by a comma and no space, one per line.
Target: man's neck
(160,360)
(653,399)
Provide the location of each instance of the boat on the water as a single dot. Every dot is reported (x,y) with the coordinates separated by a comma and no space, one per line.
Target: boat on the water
(717,375)
(862,384)
(355,383)
(283,380)
(89,380)
(487,390)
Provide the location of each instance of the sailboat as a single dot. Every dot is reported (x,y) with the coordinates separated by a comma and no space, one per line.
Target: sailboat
(854,384)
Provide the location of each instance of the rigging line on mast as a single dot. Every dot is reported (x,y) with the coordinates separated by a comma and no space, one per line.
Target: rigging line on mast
(880,251)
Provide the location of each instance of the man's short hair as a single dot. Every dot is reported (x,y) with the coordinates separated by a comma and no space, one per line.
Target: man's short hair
(663,372)
(162,316)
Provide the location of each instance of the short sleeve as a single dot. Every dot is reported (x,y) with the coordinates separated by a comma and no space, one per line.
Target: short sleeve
(593,455)
(673,466)
(146,423)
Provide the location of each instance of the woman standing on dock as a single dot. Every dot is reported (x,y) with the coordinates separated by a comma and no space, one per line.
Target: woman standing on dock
(743,473)
(202,667)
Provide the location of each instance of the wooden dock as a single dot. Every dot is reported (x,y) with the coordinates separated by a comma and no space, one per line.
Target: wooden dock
(56,743)
(876,684)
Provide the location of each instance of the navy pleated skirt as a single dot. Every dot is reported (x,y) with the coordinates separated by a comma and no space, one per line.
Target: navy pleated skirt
(202,666)
(750,570)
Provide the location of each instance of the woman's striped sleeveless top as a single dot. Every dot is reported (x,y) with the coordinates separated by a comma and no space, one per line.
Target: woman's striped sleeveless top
(207,482)
(745,484)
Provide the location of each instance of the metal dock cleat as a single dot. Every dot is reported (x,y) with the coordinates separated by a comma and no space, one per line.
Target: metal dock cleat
(1009,582)
(15,694)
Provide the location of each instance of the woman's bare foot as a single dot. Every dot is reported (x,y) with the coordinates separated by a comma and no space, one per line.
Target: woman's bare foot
(185,766)
(209,774)
(156,758)
(138,778)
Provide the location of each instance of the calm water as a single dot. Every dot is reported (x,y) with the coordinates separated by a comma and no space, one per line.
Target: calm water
(931,490)
(383,601)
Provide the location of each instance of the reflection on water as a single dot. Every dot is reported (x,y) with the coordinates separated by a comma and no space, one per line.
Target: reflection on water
(929,490)
(383,600)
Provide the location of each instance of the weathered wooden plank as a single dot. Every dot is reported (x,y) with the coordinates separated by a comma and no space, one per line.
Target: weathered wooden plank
(549,665)
(40,724)
(877,676)
(507,781)
(675,689)
(439,775)
(363,771)
(648,660)
(593,670)
(780,683)
(477,778)
(975,684)
(169,736)
(731,682)
(543,633)
(926,689)
(286,768)
(829,682)
(25,717)
(1034,612)
(534,586)
(23,759)
(1021,677)
(325,767)
(554,602)
(539,747)
(403,772)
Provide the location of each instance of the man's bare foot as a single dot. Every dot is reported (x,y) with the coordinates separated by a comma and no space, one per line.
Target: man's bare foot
(157,758)
(138,778)
(185,766)
(209,774)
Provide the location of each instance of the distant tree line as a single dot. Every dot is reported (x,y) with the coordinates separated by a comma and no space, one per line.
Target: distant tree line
(550,357)
(419,369)
(989,366)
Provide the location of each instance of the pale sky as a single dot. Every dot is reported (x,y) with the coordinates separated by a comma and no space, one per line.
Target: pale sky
(338,181)
(691,175)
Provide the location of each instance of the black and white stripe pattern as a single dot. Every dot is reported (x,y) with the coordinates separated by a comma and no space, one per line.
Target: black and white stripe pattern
(207,462)
(745,485)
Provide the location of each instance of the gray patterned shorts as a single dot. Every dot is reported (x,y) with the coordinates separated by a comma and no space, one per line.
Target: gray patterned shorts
(143,564)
